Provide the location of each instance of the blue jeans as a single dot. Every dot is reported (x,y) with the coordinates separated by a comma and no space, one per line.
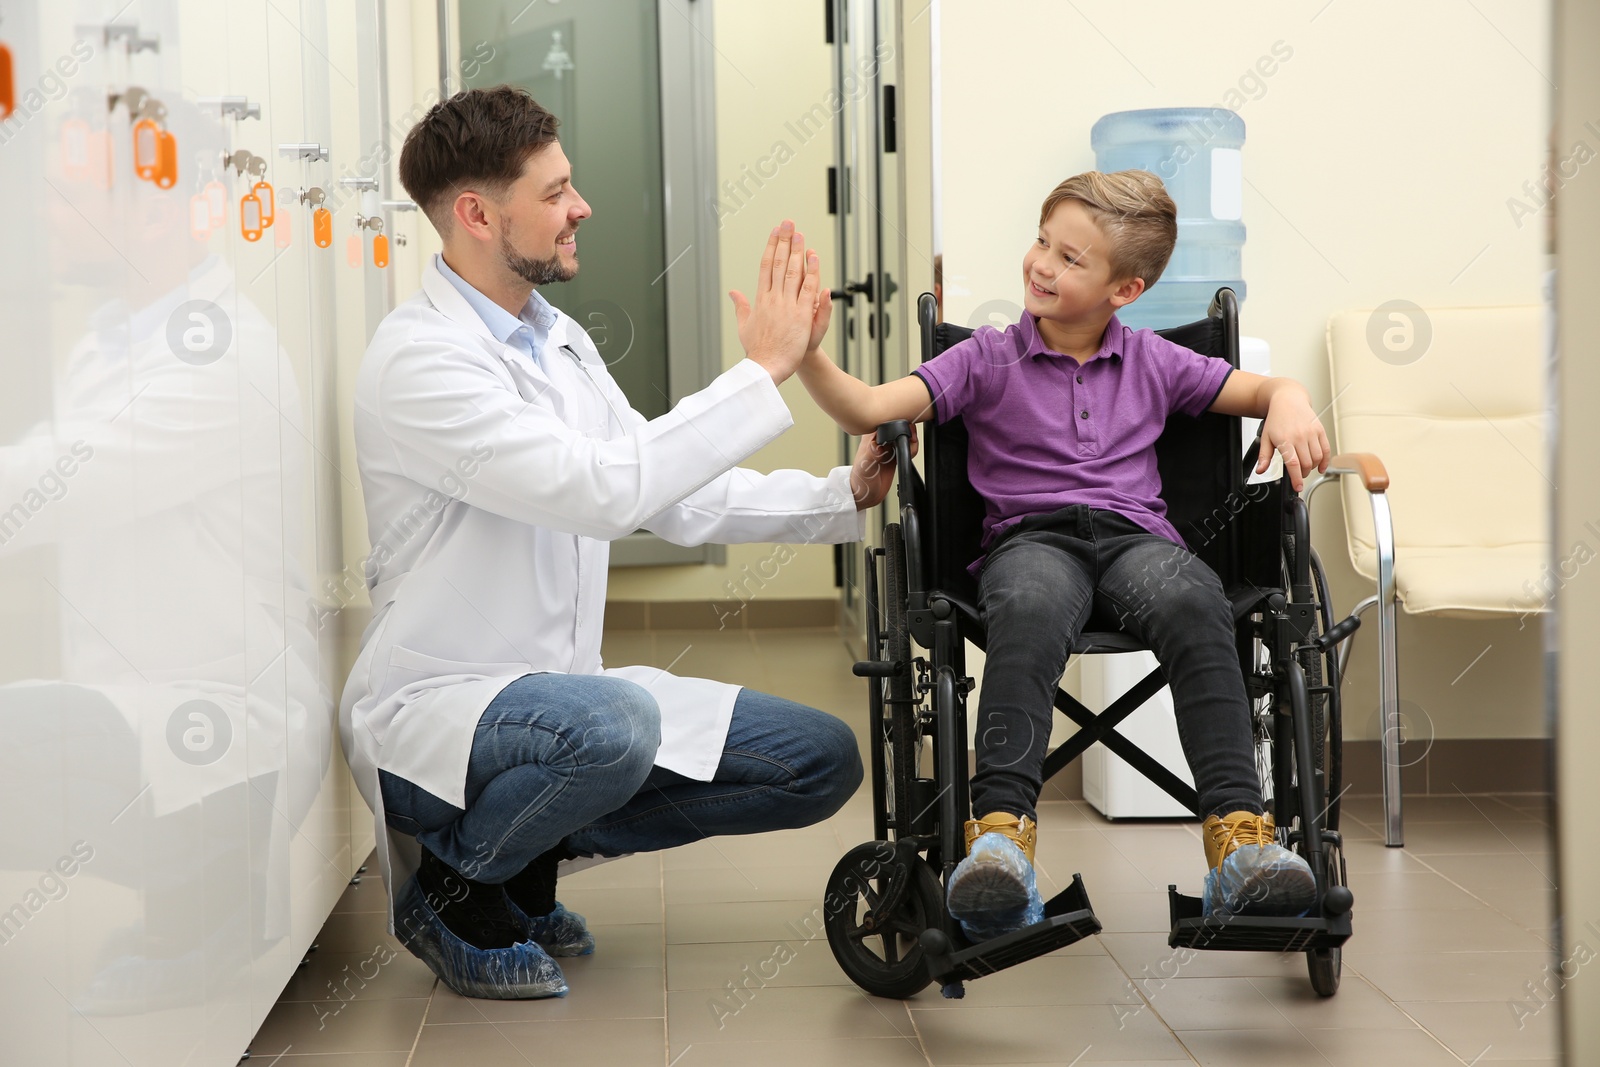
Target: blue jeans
(1038,586)
(570,758)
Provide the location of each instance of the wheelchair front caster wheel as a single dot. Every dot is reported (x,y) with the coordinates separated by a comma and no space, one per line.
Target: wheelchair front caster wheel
(1325,965)
(876,908)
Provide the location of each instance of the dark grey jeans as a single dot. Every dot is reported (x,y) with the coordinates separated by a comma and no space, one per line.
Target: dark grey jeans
(1036,591)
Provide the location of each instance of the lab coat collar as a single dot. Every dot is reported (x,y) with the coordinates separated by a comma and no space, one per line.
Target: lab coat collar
(448,299)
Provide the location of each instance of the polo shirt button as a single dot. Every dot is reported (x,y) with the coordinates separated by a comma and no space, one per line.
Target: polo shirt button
(1080,379)
(1085,414)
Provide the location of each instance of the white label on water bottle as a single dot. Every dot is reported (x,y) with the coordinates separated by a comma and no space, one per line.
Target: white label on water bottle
(1227,183)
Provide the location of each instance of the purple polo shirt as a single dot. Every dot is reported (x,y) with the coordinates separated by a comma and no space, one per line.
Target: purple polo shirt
(1046,432)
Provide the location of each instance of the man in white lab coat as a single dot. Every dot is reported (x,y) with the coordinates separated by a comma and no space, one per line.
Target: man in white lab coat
(498,459)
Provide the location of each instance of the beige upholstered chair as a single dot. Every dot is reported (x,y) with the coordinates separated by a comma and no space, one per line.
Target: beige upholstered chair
(1453,400)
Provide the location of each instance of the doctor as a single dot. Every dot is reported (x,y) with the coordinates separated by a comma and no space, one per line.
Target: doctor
(498,459)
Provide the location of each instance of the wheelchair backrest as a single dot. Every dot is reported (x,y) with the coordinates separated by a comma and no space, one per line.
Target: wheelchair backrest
(1234,528)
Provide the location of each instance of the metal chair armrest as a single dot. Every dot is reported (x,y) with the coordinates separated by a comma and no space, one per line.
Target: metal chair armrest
(1375,479)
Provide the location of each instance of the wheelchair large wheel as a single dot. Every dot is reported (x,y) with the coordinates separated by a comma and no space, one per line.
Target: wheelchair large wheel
(878,904)
(1280,772)
(899,732)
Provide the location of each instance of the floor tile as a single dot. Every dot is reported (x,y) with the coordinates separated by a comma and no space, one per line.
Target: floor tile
(619,1041)
(1438,931)
(709,885)
(338,1026)
(1211,1004)
(1489,1031)
(773,963)
(1147,956)
(857,1052)
(1462,976)
(1048,980)
(1355,1047)
(1055,1035)
(1248,1048)
(375,975)
(799,1014)
(763,920)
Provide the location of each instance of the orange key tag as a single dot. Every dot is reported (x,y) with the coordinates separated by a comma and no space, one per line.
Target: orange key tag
(250,224)
(146,149)
(75,150)
(281,229)
(352,250)
(263,192)
(167,166)
(380,251)
(216,195)
(199,217)
(322,227)
(8,84)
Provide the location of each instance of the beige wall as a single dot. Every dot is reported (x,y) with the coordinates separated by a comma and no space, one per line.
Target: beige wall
(1379,159)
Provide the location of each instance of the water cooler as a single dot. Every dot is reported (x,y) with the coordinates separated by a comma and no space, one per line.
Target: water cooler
(1196,153)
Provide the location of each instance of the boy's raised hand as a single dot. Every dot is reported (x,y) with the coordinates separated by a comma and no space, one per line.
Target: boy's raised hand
(775,331)
(819,321)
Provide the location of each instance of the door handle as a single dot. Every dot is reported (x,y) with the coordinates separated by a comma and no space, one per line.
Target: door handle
(847,294)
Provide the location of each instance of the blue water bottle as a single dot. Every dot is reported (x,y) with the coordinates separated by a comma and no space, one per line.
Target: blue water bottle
(1195,151)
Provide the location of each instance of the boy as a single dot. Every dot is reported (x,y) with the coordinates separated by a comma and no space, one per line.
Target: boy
(1063,411)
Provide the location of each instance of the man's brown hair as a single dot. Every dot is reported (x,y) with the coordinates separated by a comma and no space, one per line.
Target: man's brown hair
(1133,210)
(478,137)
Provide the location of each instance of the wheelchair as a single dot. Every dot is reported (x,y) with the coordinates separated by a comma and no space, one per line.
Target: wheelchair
(885,913)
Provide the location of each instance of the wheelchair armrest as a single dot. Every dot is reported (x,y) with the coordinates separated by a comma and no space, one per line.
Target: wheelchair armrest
(889,432)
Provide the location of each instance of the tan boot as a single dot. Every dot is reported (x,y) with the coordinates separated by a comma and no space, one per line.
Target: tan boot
(1225,833)
(994,890)
(1021,829)
(1251,874)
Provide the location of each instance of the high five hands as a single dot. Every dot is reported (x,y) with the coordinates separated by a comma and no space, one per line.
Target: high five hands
(790,314)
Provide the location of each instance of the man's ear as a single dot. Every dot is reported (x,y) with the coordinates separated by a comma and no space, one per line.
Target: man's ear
(1127,292)
(471,215)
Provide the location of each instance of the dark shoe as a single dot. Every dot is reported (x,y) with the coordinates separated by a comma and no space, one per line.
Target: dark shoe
(523,971)
(560,933)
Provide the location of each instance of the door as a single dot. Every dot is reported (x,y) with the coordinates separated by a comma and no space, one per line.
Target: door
(867,197)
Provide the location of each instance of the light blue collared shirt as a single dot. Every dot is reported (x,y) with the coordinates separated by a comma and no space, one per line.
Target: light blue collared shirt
(526,332)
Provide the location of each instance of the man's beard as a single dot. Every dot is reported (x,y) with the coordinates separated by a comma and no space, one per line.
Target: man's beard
(535,271)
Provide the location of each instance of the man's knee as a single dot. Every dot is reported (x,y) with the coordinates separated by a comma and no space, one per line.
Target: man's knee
(620,729)
(835,771)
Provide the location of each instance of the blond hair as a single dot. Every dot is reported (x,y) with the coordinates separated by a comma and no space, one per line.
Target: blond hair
(1133,210)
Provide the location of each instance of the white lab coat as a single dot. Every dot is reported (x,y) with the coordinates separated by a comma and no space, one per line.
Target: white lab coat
(493,486)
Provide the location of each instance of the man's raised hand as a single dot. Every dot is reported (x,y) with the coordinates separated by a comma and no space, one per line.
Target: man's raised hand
(775,332)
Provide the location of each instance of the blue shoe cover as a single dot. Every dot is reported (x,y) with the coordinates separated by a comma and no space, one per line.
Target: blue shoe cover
(561,933)
(1259,880)
(522,972)
(994,890)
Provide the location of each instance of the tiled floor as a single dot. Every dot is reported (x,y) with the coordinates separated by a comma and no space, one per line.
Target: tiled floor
(1451,962)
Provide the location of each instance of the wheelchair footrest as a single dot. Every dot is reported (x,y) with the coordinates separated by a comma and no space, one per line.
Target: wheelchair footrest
(1251,933)
(1068,918)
